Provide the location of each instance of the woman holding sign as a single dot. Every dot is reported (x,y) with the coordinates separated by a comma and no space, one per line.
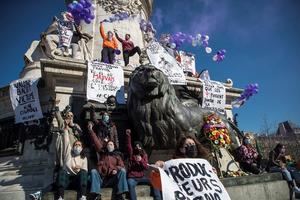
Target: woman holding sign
(187,147)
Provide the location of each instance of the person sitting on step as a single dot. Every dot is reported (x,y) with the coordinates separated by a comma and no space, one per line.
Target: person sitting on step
(110,168)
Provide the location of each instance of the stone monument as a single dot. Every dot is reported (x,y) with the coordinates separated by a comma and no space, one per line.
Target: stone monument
(27,151)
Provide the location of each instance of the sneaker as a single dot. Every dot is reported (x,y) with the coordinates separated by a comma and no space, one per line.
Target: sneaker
(296,189)
(36,196)
(82,197)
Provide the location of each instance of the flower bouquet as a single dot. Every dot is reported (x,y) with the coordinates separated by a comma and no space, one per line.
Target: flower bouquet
(216,131)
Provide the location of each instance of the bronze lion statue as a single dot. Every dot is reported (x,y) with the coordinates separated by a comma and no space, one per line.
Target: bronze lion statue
(157,114)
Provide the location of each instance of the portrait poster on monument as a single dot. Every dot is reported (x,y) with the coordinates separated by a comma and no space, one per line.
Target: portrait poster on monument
(187,62)
(191,179)
(162,60)
(25,101)
(105,80)
(65,30)
(214,96)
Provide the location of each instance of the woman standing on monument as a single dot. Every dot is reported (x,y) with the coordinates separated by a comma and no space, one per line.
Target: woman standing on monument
(109,45)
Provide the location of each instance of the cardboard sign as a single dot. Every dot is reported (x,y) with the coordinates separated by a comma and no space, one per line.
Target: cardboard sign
(105,80)
(25,101)
(162,60)
(214,96)
(191,179)
(187,62)
(65,30)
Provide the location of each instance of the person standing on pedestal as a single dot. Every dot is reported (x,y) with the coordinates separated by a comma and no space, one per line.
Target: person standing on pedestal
(109,46)
(128,47)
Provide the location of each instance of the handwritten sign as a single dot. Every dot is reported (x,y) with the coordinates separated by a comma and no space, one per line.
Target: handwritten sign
(162,60)
(191,179)
(214,96)
(187,62)
(65,30)
(105,80)
(25,100)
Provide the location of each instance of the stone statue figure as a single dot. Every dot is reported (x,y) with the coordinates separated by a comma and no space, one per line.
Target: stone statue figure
(158,115)
(50,41)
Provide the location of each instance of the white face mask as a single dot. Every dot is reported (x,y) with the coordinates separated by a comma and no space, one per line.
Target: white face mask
(110,148)
(77,150)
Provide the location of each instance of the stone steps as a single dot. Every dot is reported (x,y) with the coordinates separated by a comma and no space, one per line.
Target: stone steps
(142,191)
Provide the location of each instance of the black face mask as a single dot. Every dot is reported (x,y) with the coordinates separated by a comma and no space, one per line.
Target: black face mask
(191,151)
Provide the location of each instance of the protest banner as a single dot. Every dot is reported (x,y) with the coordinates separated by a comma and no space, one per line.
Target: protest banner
(187,62)
(105,80)
(162,60)
(25,101)
(65,30)
(214,96)
(191,179)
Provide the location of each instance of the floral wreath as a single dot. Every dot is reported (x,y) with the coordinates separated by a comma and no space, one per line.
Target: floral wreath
(216,131)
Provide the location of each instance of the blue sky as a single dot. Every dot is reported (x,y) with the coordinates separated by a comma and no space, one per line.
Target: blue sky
(262,39)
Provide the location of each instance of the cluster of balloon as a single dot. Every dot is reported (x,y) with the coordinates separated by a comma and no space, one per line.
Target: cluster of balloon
(81,10)
(250,90)
(202,40)
(179,38)
(219,56)
(117,17)
(146,26)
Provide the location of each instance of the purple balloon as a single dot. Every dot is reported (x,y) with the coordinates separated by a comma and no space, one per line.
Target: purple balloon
(87,20)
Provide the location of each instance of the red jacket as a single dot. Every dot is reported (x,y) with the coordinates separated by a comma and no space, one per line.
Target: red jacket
(108,161)
(136,169)
(127,45)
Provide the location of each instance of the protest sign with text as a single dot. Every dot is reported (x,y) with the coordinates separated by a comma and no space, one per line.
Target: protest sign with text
(25,101)
(191,179)
(187,62)
(162,60)
(105,80)
(65,30)
(214,96)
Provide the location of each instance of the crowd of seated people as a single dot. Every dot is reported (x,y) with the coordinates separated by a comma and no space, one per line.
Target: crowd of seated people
(112,170)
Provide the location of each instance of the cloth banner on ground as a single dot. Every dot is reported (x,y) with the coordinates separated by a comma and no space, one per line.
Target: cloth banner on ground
(214,96)
(187,62)
(25,101)
(105,80)
(162,60)
(191,179)
(65,30)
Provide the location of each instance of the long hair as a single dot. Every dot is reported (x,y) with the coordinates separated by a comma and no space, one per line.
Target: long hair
(202,151)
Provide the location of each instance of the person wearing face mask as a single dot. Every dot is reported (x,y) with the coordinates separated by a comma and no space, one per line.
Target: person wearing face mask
(277,163)
(105,129)
(74,170)
(110,168)
(187,147)
(137,165)
(109,46)
(73,131)
(248,156)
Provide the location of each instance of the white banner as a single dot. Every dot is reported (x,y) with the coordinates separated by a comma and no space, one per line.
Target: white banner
(65,30)
(25,101)
(162,60)
(191,179)
(214,96)
(105,80)
(187,62)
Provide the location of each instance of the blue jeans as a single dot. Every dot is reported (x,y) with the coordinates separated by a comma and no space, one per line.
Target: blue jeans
(285,172)
(132,182)
(118,181)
